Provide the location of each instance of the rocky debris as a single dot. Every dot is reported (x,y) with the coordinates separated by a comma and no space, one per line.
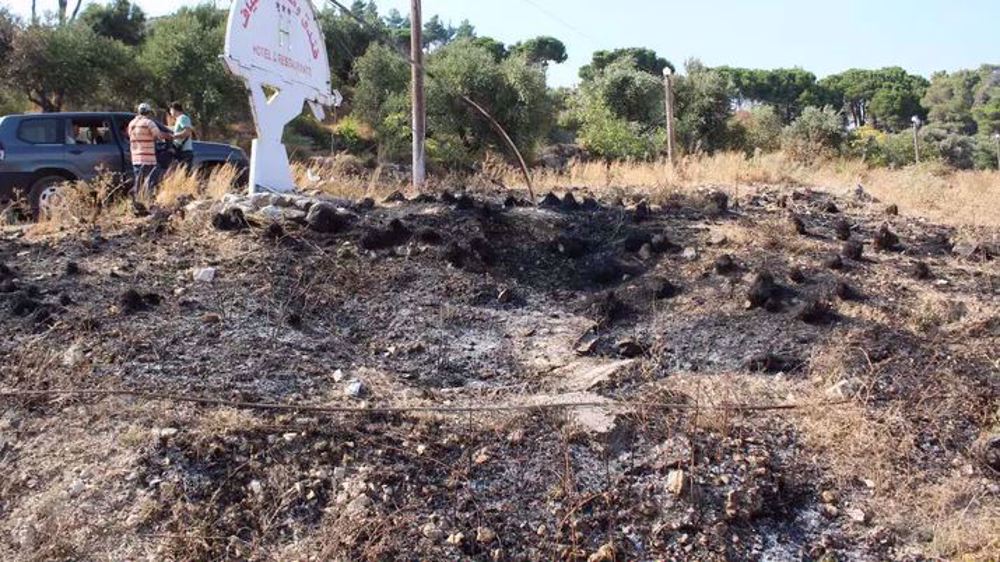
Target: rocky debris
(987,448)
(274,232)
(892,210)
(571,246)
(355,389)
(717,202)
(846,292)
(642,212)
(662,245)
(587,344)
(395,197)
(72,268)
(607,308)
(455,254)
(853,250)
(798,225)
(717,238)
(970,249)
(635,240)
(590,204)
(834,262)
(689,254)
(131,301)
(664,289)
(771,363)
(814,311)
(366,204)
(679,483)
(204,274)
(485,535)
(763,292)
(725,265)
(423,199)
(430,236)
(605,270)
(856,515)
(831,208)
(843,229)
(797,275)
(921,271)
(230,219)
(6,272)
(465,202)
(395,234)
(326,219)
(606,553)
(885,239)
(629,348)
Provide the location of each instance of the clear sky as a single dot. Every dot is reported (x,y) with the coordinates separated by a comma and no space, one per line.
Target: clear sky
(922,36)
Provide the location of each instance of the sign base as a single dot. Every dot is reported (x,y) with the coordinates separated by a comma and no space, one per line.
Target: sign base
(270,171)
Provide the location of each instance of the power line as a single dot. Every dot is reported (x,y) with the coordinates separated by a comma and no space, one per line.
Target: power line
(595,42)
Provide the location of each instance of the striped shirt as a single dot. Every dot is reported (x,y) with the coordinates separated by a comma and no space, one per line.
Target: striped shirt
(143,134)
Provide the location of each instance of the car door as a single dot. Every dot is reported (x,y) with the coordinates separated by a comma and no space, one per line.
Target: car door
(91,147)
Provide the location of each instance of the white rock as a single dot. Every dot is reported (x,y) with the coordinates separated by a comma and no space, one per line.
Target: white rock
(72,356)
(456,538)
(204,274)
(485,535)
(355,389)
(271,213)
(338,375)
(689,254)
(432,532)
(857,515)
(845,389)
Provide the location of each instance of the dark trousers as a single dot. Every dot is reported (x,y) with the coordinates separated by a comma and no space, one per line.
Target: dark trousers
(185,158)
(147,177)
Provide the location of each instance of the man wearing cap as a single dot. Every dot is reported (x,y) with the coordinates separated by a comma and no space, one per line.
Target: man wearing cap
(183,135)
(143,134)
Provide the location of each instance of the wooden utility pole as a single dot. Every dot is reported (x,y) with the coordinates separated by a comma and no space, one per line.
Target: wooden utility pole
(419,110)
(668,85)
(916,137)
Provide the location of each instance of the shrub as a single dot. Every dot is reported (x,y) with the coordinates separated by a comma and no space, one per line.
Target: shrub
(353,136)
(758,129)
(817,133)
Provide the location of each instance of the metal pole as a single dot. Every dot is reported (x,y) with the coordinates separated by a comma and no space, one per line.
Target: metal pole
(916,143)
(668,85)
(997,137)
(419,112)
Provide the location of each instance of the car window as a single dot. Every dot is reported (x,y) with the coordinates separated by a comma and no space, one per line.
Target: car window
(89,131)
(41,131)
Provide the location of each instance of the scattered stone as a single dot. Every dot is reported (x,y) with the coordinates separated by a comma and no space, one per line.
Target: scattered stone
(663,245)
(834,262)
(571,247)
(798,225)
(829,511)
(605,270)
(6,272)
(831,207)
(853,250)
(666,290)
(73,356)
(846,292)
(211,318)
(505,296)
(969,250)
(395,197)
(690,254)
(642,212)
(814,311)
(885,239)
(988,450)
(485,535)
(856,515)
(455,254)
(725,265)
(230,220)
(72,268)
(428,235)
(271,213)
(380,239)
(131,301)
(456,538)
(590,204)
(587,344)
(365,204)
(423,199)
(646,252)
(465,202)
(274,232)
(797,275)
(843,229)
(717,202)
(828,497)
(432,532)
(448,197)
(762,290)
(629,348)
(606,553)
(355,389)
(635,240)
(325,218)
(892,210)
(204,274)
(718,239)
(921,271)
(678,482)
(551,201)
(770,363)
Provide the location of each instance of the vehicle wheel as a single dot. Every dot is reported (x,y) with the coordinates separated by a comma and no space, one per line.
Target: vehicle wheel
(44,194)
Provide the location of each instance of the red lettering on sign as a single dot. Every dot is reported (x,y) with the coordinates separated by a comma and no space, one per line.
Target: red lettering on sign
(249,9)
(313,41)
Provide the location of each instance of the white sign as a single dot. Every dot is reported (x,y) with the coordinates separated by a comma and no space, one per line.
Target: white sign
(277,47)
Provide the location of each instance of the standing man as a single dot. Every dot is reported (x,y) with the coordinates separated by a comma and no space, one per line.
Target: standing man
(183,135)
(143,134)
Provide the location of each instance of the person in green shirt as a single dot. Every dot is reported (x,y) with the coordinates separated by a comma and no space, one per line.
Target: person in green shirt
(183,135)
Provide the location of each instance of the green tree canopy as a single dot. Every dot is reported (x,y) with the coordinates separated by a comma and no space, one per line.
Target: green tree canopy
(120,19)
(643,59)
(541,50)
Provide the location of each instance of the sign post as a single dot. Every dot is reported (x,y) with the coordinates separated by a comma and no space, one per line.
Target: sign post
(277,48)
